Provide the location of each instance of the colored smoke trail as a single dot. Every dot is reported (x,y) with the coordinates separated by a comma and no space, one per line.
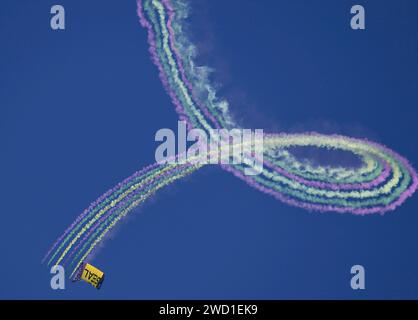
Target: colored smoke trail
(382,182)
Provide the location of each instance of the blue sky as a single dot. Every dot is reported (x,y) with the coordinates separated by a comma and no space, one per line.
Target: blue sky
(79,109)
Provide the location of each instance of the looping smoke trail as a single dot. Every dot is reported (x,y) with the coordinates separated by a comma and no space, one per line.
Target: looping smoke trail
(382,182)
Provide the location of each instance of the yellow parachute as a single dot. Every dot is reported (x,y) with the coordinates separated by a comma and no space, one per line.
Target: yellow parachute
(89,274)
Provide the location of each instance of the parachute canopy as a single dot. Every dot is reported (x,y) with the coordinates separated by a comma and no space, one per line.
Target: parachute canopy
(90,274)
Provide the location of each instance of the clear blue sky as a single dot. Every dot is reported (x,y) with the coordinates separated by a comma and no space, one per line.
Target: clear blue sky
(79,109)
